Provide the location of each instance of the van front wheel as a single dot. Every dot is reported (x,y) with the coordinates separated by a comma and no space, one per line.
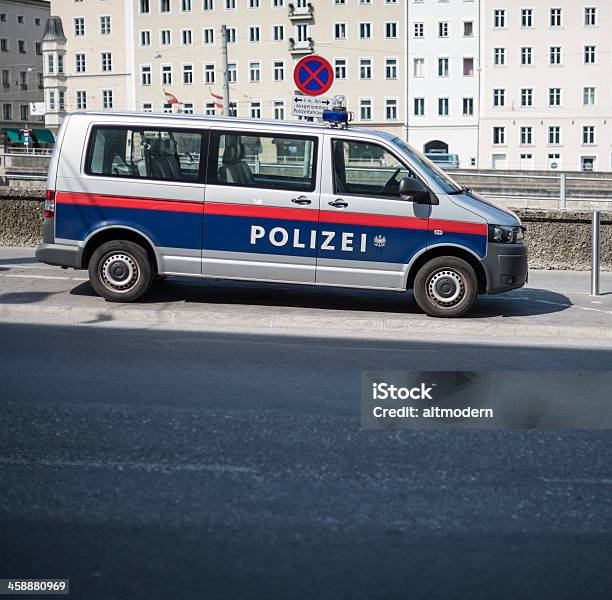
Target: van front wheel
(120,271)
(446,286)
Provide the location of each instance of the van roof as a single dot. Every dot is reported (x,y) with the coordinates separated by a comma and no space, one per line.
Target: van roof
(217,121)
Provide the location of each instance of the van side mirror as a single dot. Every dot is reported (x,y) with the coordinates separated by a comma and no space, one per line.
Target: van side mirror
(413,190)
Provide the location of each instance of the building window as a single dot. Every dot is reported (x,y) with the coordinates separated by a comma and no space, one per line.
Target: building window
(21,47)
(164,6)
(391,109)
(419,30)
(254,34)
(50,63)
(468,29)
(186,37)
(555,17)
(79,26)
(365,31)
(555,55)
(589,55)
(209,73)
(187,74)
(166,74)
(105,25)
(145,38)
(588,135)
(499,57)
(165,36)
(209,109)
(231,35)
(365,109)
(391,68)
(255,110)
(145,74)
(365,68)
(499,136)
(554,135)
(4,47)
(80,65)
(340,31)
(232,72)
(527,17)
(443,67)
(554,97)
(186,7)
(278,33)
(419,67)
(443,29)
(7,112)
(107,99)
(39,48)
(208,5)
(279,70)
(278,3)
(340,68)
(590,16)
(527,97)
(468,107)
(230,4)
(499,97)
(51,100)
(468,67)
(81,100)
(253,3)
(587,163)
(526,56)
(391,30)
(499,18)
(107,61)
(588,96)
(23,110)
(279,109)
(6,78)
(208,35)
(188,108)
(419,107)
(526,136)
(145,7)
(255,72)
(443,107)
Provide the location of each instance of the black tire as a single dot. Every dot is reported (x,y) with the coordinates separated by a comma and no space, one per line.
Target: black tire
(120,271)
(446,287)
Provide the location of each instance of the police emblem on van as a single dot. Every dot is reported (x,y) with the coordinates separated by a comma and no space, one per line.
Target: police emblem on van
(380,241)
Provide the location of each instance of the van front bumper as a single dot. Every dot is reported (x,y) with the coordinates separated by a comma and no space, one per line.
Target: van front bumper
(505,267)
(59,255)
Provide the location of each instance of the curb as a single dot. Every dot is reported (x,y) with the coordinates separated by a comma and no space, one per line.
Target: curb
(424,328)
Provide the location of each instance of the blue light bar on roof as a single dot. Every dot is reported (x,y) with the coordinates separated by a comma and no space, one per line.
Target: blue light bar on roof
(335,116)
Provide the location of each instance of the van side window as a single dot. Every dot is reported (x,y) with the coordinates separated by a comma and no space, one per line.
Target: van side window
(265,161)
(366,169)
(163,154)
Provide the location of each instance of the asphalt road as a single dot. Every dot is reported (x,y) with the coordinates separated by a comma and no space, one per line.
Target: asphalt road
(191,464)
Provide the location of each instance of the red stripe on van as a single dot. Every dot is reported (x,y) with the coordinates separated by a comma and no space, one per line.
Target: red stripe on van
(128,202)
(458,226)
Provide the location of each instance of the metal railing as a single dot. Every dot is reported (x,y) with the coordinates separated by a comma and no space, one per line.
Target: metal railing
(562,178)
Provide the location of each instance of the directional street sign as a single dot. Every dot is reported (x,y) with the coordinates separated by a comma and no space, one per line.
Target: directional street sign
(313,75)
(305,106)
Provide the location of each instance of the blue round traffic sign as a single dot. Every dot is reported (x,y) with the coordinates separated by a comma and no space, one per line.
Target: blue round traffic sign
(313,75)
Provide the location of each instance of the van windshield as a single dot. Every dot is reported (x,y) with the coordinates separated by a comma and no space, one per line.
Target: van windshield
(429,168)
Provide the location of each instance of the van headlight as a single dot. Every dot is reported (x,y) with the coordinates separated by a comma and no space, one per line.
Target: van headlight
(506,234)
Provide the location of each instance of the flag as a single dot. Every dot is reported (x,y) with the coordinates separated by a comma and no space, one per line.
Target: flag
(217,97)
(171,98)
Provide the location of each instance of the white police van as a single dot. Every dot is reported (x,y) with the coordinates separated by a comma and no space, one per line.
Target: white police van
(134,197)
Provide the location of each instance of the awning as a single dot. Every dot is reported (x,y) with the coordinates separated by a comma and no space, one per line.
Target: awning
(13,135)
(44,136)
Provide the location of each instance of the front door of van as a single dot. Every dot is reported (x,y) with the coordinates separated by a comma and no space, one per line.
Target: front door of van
(368,233)
(262,206)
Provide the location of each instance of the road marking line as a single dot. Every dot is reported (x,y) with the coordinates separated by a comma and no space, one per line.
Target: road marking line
(143,466)
(20,276)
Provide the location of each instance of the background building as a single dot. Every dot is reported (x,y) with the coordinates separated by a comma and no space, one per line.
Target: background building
(499,84)
(443,77)
(21,28)
(546,93)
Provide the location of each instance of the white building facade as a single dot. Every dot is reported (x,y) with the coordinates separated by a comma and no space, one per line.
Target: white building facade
(443,77)
(546,85)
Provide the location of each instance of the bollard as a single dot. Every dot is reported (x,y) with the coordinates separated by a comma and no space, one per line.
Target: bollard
(563,191)
(595,251)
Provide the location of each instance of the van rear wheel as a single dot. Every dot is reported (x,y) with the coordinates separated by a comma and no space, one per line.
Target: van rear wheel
(446,286)
(120,271)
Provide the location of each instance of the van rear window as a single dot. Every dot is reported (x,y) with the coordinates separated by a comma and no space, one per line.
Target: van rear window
(143,153)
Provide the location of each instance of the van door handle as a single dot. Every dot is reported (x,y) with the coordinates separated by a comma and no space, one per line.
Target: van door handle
(338,203)
(301,200)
